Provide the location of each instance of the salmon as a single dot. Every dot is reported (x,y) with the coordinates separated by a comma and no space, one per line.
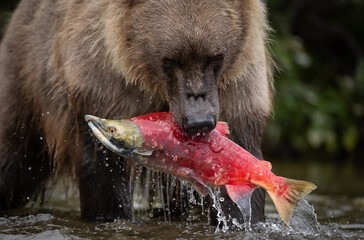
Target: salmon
(157,142)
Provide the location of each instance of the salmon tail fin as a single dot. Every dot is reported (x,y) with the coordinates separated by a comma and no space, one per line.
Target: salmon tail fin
(222,128)
(286,203)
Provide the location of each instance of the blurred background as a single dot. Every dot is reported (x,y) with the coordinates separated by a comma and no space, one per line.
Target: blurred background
(319,100)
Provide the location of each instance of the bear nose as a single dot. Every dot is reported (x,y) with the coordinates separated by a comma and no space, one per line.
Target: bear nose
(195,124)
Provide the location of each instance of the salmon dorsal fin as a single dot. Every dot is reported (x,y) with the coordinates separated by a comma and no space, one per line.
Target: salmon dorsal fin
(267,164)
(200,185)
(222,128)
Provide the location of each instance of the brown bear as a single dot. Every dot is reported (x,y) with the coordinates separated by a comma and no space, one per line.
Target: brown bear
(203,60)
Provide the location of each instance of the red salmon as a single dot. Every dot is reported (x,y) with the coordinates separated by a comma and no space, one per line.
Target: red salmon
(155,141)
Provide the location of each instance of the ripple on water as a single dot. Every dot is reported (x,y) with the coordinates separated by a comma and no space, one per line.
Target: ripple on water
(58,224)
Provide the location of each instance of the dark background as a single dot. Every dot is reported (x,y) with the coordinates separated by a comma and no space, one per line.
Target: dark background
(319,100)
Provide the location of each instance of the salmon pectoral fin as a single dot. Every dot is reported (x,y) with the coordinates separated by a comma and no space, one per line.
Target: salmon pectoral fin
(286,203)
(200,185)
(241,194)
(201,189)
(222,128)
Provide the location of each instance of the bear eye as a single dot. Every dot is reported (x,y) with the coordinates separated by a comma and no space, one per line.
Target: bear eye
(112,130)
(169,63)
(217,60)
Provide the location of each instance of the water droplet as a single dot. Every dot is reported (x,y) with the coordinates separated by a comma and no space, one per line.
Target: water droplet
(29,168)
(173,183)
(41,138)
(222,199)
(106,164)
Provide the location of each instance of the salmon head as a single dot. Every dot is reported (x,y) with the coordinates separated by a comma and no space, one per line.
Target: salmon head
(120,136)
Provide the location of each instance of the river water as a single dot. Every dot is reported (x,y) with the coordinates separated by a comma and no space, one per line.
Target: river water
(338,204)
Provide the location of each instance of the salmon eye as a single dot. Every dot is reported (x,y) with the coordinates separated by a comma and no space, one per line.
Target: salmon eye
(112,130)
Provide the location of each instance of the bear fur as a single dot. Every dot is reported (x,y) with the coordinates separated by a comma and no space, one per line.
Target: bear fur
(63,59)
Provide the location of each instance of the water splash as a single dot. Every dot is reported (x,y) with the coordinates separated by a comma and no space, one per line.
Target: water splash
(168,207)
(155,192)
(160,188)
(225,222)
(304,218)
(245,207)
(222,219)
(303,225)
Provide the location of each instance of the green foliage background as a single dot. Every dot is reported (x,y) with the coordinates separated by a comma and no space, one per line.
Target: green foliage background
(319,102)
(319,106)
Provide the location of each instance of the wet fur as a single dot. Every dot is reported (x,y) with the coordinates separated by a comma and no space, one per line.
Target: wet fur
(60,60)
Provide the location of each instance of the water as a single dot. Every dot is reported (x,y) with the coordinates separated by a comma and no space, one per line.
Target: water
(338,203)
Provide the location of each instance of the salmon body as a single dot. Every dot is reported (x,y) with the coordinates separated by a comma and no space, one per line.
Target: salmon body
(156,142)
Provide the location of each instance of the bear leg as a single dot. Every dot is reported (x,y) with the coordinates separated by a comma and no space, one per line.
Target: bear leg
(103,185)
(24,163)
